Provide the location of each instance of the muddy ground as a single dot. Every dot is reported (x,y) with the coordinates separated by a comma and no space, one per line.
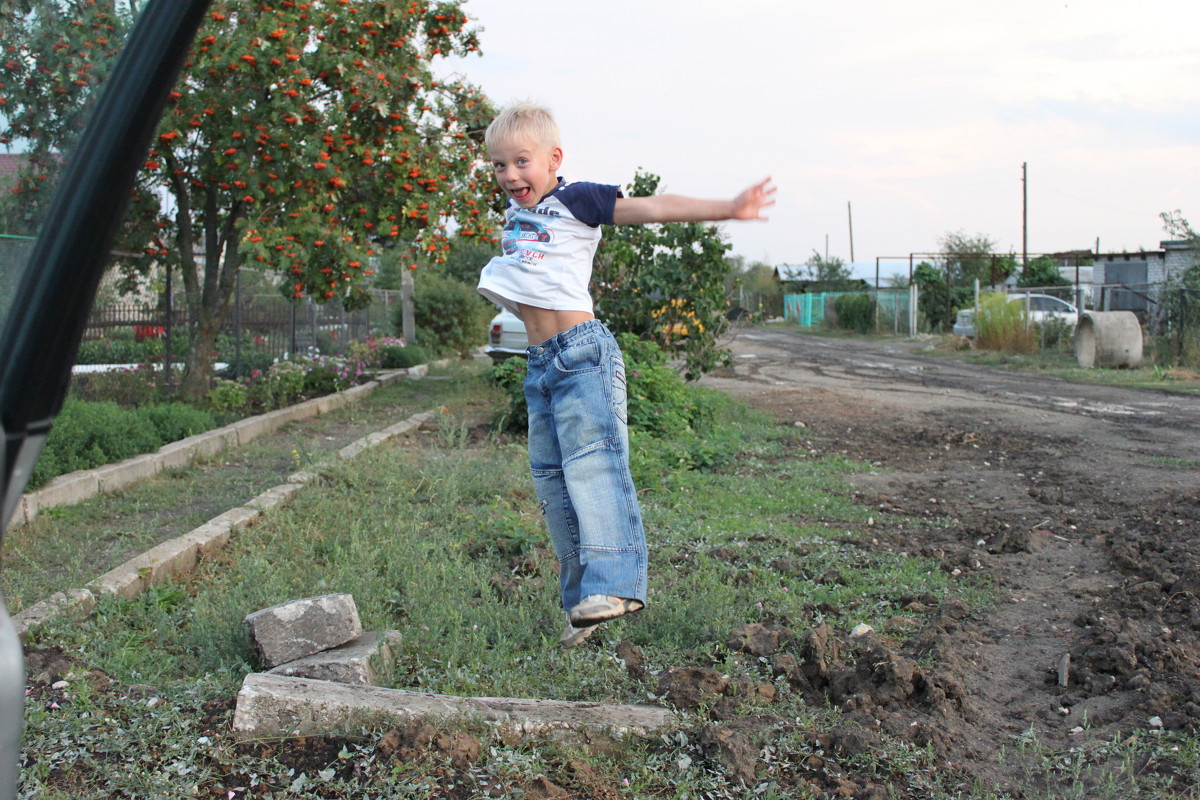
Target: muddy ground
(1080,504)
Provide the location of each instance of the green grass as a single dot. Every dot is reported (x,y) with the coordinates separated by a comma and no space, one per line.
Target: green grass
(66,547)
(444,542)
(1186,463)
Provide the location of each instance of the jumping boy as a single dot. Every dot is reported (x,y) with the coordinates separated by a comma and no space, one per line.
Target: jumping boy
(575,384)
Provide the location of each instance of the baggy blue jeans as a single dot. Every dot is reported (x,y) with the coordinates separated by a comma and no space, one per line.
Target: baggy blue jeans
(579,457)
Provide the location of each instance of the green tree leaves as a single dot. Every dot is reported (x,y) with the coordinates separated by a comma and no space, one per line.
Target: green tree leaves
(665,283)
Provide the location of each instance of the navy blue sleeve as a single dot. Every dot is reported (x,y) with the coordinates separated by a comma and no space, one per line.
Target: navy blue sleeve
(590,203)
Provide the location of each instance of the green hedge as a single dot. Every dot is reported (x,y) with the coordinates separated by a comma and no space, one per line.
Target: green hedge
(90,434)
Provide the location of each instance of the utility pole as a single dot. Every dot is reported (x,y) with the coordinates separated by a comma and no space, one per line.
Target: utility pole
(850,218)
(1024,216)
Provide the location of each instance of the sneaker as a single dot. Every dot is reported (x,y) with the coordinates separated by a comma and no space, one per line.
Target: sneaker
(597,608)
(572,636)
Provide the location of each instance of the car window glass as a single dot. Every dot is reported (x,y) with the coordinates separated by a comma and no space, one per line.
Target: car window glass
(35,152)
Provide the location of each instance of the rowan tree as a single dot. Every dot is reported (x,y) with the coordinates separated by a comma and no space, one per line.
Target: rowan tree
(303,137)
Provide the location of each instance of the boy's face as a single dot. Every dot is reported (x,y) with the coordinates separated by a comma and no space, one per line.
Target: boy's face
(526,171)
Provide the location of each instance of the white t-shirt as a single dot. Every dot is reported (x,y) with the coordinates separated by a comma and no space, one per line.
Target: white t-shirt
(548,249)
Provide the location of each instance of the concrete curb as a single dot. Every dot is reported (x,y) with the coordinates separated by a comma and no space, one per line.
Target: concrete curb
(77,487)
(274,706)
(180,555)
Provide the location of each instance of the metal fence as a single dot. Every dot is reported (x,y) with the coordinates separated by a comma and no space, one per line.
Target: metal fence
(259,327)
(893,309)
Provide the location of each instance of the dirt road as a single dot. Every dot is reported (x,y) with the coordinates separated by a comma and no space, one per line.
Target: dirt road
(1079,503)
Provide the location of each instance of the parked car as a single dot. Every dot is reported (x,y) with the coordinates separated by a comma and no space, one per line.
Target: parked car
(506,336)
(1041,308)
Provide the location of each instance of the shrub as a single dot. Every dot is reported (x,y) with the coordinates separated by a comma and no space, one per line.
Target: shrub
(88,434)
(128,388)
(856,312)
(1001,325)
(326,375)
(1056,335)
(284,383)
(675,417)
(228,397)
(451,316)
(509,375)
(401,357)
(175,421)
(319,379)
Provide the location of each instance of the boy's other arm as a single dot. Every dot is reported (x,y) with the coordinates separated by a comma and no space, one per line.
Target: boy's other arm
(750,204)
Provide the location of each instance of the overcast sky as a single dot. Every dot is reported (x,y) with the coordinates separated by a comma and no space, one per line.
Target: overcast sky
(918,114)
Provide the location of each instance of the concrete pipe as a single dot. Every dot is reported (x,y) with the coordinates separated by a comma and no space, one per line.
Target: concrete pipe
(1108,339)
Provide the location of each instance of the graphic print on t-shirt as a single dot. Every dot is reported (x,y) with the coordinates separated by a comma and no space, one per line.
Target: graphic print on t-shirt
(525,236)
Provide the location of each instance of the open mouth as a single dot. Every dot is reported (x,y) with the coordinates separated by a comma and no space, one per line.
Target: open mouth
(522,194)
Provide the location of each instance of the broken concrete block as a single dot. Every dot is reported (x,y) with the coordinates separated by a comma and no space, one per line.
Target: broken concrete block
(271,706)
(76,602)
(359,662)
(300,628)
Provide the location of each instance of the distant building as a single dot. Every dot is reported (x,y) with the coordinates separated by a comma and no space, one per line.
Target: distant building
(1131,281)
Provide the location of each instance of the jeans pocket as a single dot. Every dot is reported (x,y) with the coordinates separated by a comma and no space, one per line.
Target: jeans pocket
(580,357)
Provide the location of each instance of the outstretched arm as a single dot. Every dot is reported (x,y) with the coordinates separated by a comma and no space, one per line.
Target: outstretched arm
(750,204)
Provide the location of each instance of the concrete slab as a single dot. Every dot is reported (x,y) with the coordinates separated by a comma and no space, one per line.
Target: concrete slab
(19,514)
(176,455)
(276,495)
(356,393)
(209,443)
(360,662)
(214,534)
(251,428)
(210,537)
(67,490)
(391,376)
(299,628)
(354,448)
(75,602)
(296,413)
(271,706)
(115,477)
(238,518)
(303,476)
(173,557)
(404,426)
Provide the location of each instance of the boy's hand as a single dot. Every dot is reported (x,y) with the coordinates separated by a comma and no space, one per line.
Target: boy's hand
(752,203)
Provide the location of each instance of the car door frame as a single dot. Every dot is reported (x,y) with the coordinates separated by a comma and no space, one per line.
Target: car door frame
(49,310)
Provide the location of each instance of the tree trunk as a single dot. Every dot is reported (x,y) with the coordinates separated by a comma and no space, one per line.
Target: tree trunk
(202,353)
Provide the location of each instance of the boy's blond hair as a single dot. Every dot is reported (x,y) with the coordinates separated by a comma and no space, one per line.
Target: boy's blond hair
(529,121)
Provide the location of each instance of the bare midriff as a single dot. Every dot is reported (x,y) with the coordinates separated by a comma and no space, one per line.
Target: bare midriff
(542,323)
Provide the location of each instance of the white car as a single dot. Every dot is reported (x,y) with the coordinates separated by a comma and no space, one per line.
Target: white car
(1041,308)
(506,337)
